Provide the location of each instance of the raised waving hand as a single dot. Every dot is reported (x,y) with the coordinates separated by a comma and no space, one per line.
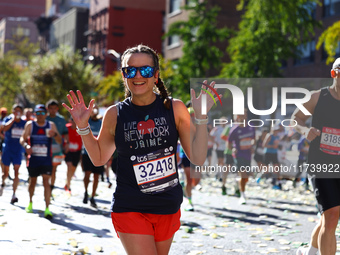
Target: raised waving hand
(78,110)
(197,102)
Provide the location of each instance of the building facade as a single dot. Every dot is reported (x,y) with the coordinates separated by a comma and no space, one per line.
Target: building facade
(31,9)
(69,30)
(115,25)
(16,28)
(312,62)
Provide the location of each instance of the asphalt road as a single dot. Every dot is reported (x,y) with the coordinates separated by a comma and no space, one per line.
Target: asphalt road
(272,221)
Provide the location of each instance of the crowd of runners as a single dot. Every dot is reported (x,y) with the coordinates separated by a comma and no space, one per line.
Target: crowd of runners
(274,154)
(227,152)
(44,138)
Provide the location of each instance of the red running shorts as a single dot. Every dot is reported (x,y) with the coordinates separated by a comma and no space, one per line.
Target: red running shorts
(161,226)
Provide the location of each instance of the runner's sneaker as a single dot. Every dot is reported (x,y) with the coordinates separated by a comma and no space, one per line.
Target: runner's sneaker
(294,183)
(48,214)
(301,251)
(14,200)
(242,201)
(305,184)
(189,208)
(29,208)
(278,187)
(304,250)
(237,193)
(93,202)
(86,197)
(67,189)
(224,190)
(2,189)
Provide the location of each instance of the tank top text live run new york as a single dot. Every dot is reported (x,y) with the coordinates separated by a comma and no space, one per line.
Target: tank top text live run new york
(147,177)
(325,149)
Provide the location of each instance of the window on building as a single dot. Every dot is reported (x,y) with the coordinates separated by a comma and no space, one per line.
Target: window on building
(194,32)
(174,6)
(52,10)
(331,7)
(20,31)
(173,41)
(311,8)
(190,2)
(306,53)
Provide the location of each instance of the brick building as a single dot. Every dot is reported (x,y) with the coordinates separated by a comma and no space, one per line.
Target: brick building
(13,28)
(31,9)
(115,25)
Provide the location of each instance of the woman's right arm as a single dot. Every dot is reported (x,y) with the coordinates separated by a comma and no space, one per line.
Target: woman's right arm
(100,148)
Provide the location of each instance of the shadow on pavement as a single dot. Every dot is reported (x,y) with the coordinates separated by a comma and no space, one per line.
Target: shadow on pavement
(247,217)
(89,210)
(84,229)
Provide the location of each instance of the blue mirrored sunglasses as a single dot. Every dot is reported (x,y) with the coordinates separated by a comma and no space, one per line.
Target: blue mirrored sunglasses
(145,71)
(40,113)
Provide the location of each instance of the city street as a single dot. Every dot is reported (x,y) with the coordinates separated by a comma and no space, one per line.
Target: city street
(272,221)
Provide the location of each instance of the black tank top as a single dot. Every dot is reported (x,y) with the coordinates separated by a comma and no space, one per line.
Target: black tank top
(41,145)
(325,149)
(147,178)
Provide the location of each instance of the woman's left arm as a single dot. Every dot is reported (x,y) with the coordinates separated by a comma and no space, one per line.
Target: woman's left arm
(193,136)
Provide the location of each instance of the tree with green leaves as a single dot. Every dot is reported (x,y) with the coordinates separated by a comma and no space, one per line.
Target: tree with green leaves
(111,88)
(199,35)
(10,81)
(55,74)
(13,66)
(269,33)
(330,38)
(22,49)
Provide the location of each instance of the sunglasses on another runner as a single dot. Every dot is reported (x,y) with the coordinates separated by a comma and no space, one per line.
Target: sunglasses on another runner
(40,113)
(131,71)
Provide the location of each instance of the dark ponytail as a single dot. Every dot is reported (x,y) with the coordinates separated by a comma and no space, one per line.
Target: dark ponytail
(160,84)
(164,93)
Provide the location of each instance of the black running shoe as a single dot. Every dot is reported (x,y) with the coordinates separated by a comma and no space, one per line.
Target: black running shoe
(93,203)
(14,200)
(86,197)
